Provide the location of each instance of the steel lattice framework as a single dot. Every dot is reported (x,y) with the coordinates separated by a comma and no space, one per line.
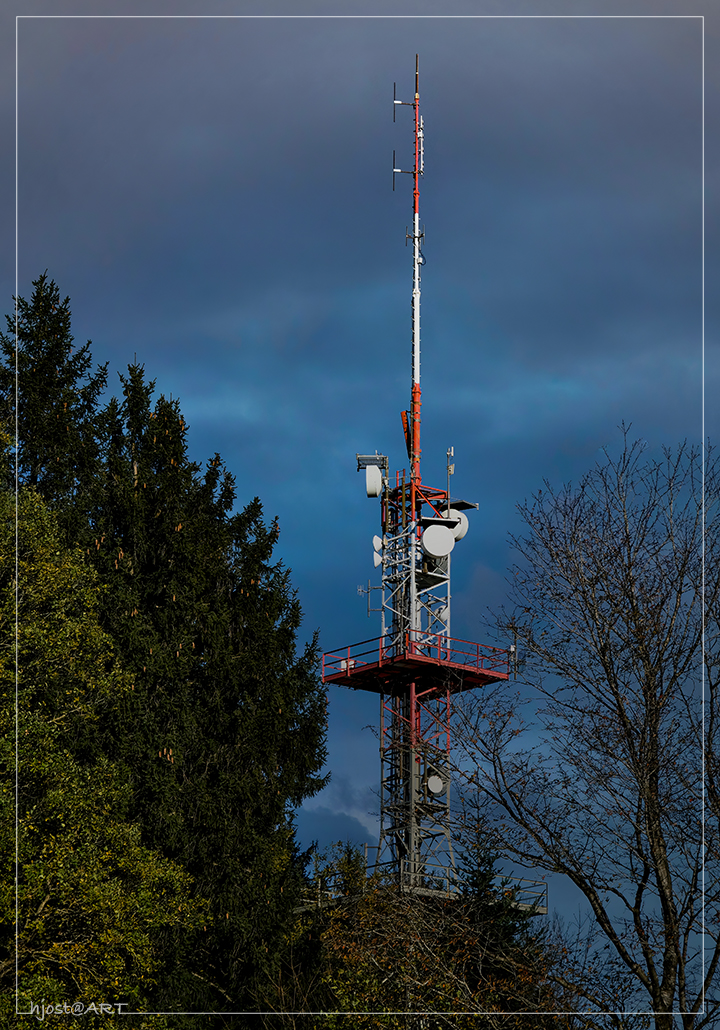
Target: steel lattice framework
(415,665)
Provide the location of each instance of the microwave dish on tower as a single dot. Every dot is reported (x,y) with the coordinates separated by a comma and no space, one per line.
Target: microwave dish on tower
(415,665)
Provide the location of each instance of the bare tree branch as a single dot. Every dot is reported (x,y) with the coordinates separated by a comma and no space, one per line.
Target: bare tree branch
(616,615)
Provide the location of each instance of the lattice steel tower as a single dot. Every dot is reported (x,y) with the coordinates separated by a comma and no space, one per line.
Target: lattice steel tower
(415,665)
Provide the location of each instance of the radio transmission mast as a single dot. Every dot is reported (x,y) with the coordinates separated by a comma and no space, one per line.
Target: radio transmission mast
(415,665)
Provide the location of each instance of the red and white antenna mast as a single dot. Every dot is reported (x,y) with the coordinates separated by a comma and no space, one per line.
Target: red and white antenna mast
(416,236)
(415,665)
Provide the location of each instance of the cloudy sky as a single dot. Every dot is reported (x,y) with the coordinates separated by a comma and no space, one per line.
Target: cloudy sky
(215,195)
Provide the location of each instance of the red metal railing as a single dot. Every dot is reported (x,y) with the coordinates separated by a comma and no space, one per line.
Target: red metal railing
(351,657)
(434,647)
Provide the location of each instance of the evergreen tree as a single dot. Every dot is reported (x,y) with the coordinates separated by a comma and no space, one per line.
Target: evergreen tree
(57,401)
(225,730)
(504,953)
(223,734)
(91,897)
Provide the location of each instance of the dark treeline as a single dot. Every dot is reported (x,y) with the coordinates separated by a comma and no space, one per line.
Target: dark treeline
(168,727)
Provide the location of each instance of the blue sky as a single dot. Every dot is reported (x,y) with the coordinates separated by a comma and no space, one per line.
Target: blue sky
(215,196)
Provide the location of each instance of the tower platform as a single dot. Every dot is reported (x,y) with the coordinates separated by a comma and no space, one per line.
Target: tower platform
(431,661)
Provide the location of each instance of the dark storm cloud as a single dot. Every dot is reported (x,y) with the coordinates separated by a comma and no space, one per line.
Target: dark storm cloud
(237,154)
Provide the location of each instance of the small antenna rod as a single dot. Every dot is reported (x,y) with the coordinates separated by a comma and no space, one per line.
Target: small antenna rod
(416,236)
(417,261)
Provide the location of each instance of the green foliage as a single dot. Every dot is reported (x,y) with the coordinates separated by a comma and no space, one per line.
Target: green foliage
(90,894)
(57,399)
(217,730)
(224,732)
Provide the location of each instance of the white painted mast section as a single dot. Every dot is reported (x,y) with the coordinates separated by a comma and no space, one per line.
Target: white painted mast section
(417,254)
(417,261)
(415,612)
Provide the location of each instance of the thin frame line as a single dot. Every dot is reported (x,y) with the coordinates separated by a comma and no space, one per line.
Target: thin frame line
(17,549)
(703,1008)
(504,18)
(376,18)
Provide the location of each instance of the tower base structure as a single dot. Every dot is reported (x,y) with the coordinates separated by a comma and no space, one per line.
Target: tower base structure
(416,679)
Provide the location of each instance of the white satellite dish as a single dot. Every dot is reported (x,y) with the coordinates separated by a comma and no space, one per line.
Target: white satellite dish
(435,784)
(437,541)
(373,480)
(377,559)
(461,528)
(377,544)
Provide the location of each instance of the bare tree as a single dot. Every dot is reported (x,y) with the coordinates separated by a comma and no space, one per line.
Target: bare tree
(604,767)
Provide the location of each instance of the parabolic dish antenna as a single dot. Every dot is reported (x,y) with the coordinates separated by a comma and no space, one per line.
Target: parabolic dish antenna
(461,528)
(435,784)
(373,480)
(437,541)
